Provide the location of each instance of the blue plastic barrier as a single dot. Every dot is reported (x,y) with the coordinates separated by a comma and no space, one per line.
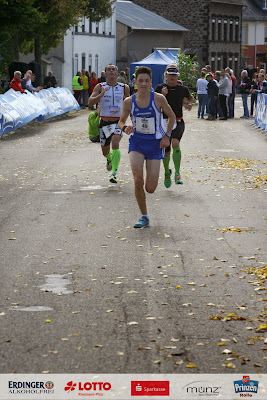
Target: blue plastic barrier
(261,111)
(18,109)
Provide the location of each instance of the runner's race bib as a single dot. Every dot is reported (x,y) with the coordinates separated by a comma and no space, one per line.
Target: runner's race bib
(145,125)
(165,125)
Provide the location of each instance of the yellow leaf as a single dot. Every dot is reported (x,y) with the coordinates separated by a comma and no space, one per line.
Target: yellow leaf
(178,287)
(186,175)
(157,362)
(48,320)
(190,365)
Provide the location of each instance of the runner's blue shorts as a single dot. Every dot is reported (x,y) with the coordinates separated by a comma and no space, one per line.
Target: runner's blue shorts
(150,148)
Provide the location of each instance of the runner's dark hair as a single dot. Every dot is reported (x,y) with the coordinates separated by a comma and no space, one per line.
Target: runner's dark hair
(143,70)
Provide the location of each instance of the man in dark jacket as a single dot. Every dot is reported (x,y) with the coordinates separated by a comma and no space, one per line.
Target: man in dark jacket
(245,88)
(213,91)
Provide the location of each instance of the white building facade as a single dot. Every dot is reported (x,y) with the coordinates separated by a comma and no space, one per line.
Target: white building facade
(88,45)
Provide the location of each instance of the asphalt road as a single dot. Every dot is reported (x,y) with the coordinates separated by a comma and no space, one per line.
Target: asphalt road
(84,292)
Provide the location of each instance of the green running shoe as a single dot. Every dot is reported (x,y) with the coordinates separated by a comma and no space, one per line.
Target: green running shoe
(113,178)
(167,180)
(109,165)
(178,179)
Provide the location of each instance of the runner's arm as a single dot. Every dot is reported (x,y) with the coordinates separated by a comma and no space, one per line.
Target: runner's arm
(165,141)
(126,109)
(97,94)
(126,91)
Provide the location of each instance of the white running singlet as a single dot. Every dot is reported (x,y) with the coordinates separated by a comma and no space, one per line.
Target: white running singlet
(111,102)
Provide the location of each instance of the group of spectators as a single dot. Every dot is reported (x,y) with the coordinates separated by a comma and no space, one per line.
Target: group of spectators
(27,82)
(217,91)
(84,82)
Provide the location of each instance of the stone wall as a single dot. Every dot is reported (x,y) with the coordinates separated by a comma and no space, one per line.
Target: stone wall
(195,15)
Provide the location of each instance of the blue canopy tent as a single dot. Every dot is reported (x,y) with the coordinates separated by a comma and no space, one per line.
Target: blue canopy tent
(157,61)
(171,54)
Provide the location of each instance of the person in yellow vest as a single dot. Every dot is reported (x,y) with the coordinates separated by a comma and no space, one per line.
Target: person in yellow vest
(133,85)
(77,86)
(85,95)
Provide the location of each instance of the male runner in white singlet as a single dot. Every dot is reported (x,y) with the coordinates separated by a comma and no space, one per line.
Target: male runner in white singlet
(148,139)
(110,95)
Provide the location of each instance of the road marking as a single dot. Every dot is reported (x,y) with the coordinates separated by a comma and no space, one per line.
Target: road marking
(56,284)
(31,308)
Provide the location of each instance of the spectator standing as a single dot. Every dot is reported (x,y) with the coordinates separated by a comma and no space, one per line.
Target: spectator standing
(85,96)
(245,88)
(15,84)
(262,84)
(87,73)
(217,80)
(209,71)
(253,98)
(50,80)
(202,94)
(223,92)
(93,81)
(122,77)
(231,98)
(77,85)
(127,72)
(213,91)
(102,77)
(229,89)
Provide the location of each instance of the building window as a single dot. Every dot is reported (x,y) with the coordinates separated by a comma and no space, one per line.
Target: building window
(237,30)
(231,33)
(90,27)
(76,64)
(76,28)
(265,4)
(265,34)
(219,29)
(213,63)
(83,28)
(230,60)
(96,64)
(244,34)
(90,63)
(225,60)
(236,65)
(219,62)
(97,28)
(83,60)
(225,29)
(213,28)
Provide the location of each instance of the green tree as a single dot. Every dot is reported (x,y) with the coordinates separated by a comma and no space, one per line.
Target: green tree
(188,68)
(40,25)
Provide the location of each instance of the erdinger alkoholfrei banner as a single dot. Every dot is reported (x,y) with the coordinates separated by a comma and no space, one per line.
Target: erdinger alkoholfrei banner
(261,111)
(18,109)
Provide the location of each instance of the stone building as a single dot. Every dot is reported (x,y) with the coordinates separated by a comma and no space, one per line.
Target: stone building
(214,28)
(139,32)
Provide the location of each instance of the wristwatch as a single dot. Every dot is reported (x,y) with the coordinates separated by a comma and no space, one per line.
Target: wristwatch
(168,134)
(123,129)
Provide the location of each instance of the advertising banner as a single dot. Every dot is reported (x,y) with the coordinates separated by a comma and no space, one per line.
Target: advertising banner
(133,386)
(18,109)
(261,111)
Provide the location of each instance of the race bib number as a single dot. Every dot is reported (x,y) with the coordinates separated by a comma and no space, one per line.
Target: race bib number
(165,125)
(108,130)
(145,125)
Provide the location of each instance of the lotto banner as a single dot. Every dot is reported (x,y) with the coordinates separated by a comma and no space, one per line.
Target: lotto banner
(136,387)
(261,111)
(18,109)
